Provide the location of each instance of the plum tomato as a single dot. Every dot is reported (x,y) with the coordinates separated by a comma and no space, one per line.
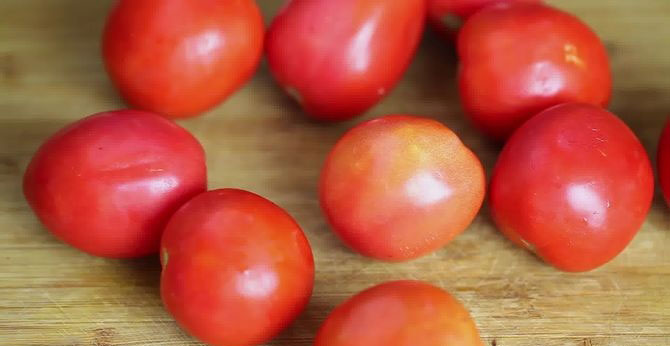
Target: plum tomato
(518,59)
(398,187)
(180,58)
(447,16)
(107,184)
(664,162)
(237,269)
(399,313)
(574,185)
(339,58)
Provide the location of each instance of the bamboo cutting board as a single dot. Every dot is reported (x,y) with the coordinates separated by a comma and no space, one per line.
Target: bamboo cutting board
(50,294)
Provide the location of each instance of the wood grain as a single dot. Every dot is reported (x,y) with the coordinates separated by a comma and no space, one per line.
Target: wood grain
(50,294)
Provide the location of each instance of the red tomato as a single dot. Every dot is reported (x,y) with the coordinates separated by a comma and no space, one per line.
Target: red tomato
(664,162)
(519,59)
(237,269)
(339,58)
(107,184)
(447,16)
(399,313)
(573,185)
(398,187)
(181,57)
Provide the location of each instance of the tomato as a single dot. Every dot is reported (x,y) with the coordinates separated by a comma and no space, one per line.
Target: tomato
(399,313)
(181,57)
(237,269)
(519,59)
(108,183)
(398,187)
(664,162)
(339,58)
(573,185)
(447,16)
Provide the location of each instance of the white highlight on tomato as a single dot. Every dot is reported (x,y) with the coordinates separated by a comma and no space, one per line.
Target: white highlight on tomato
(203,45)
(257,282)
(544,79)
(425,189)
(157,185)
(359,52)
(585,200)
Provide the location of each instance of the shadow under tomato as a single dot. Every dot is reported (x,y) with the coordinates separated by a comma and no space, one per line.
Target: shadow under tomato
(645,111)
(435,69)
(19,140)
(303,330)
(269,8)
(659,215)
(141,277)
(143,273)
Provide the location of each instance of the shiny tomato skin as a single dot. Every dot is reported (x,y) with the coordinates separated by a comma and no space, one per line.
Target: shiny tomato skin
(519,59)
(399,313)
(447,16)
(237,269)
(108,183)
(398,187)
(664,162)
(339,58)
(573,185)
(180,58)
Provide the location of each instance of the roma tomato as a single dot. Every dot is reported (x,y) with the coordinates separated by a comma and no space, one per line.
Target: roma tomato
(181,57)
(108,184)
(519,59)
(573,185)
(447,16)
(664,162)
(237,269)
(339,58)
(398,187)
(399,313)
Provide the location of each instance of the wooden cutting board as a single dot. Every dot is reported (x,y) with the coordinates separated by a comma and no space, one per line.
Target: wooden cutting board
(50,294)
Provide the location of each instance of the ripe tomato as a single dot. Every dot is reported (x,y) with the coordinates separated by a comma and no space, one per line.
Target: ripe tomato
(339,58)
(398,187)
(399,313)
(237,269)
(447,16)
(664,162)
(519,59)
(108,183)
(181,57)
(574,185)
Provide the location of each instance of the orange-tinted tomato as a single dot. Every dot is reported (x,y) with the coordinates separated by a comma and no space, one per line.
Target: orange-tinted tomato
(519,59)
(574,185)
(447,16)
(339,58)
(237,269)
(664,162)
(399,313)
(107,184)
(398,187)
(181,57)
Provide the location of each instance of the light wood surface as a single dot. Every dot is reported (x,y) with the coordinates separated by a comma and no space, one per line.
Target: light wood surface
(50,294)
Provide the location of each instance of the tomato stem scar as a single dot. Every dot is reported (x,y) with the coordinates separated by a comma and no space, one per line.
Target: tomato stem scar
(165,257)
